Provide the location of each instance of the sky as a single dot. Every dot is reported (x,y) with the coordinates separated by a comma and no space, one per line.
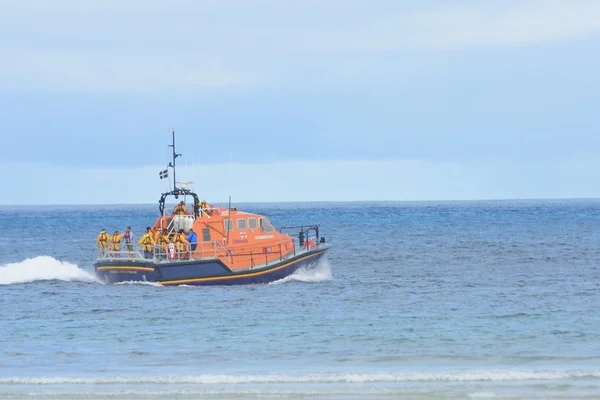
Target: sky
(313,100)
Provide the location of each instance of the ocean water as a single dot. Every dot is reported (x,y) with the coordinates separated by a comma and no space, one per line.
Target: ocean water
(452,300)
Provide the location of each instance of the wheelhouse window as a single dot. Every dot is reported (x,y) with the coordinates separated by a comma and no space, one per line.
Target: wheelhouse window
(266,226)
(241,223)
(206,234)
(252,223)
(228,225)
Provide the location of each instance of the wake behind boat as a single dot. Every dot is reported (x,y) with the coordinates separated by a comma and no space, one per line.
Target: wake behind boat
(232,246)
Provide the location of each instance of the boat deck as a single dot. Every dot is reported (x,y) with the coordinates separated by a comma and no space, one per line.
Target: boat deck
(205,252)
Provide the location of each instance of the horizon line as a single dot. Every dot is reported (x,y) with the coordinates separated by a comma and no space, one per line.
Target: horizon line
(541,199)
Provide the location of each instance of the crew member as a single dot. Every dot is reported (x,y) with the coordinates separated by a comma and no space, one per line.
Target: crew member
(128,237)
(181,244)
(115,243)
(102,241)
(147,241)
(192,239)
(204,207)
(180,209)
(163,243)
(155,233)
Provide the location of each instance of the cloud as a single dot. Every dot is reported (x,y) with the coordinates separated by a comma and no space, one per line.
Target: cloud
(481,24)
(157,44)
(117,73)
(306,181)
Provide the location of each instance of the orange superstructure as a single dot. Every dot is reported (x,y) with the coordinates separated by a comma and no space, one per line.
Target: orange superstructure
(241,239)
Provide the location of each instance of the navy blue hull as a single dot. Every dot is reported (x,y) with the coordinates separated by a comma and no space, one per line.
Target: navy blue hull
(207,272)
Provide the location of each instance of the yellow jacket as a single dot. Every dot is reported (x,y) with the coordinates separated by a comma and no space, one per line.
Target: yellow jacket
(147,242)
(115,241)
(102,239)
(180,241)
(204,207)
(163,239)
(180,209)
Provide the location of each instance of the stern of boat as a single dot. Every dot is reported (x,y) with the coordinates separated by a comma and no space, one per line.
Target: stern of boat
(124,266)
(115,272)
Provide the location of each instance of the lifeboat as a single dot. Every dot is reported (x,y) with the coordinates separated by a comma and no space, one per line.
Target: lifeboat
(232,246)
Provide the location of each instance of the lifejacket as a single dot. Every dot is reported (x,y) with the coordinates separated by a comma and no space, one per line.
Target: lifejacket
(127,236)
(163,239)
(180,241)
(146,239)
(103,237)
(179,209)
(116,238)
(146,242)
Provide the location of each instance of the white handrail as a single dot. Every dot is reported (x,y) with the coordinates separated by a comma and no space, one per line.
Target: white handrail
(160,253)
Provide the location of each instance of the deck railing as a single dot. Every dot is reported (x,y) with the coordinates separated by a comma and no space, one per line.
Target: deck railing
(234,258)
(163,253)
(273,254)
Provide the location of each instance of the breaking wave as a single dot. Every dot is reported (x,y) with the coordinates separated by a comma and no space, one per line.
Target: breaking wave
(318,273)
(466,376)
(42,268)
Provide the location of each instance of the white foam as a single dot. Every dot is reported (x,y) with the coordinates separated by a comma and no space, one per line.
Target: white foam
(483,395)
(222,393)
(473,376)
(42,268)
(311,274)
(145,283)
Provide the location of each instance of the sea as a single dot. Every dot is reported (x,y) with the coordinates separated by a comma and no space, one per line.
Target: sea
(415,300)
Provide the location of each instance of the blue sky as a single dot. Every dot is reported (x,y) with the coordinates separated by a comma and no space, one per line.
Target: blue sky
(292,101)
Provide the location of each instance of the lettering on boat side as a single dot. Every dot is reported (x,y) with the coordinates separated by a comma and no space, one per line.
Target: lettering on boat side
(264,237)
(235,241)
(122,272)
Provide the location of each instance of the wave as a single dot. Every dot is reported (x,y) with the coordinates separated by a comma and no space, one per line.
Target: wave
(311,274)
(42,268)
(472,376)
(143,283)
(226,394)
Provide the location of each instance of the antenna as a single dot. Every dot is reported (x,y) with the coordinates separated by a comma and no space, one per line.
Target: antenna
(230,225)
(175,155)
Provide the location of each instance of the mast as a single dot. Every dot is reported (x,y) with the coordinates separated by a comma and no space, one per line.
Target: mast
(176,191)
(175,155)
